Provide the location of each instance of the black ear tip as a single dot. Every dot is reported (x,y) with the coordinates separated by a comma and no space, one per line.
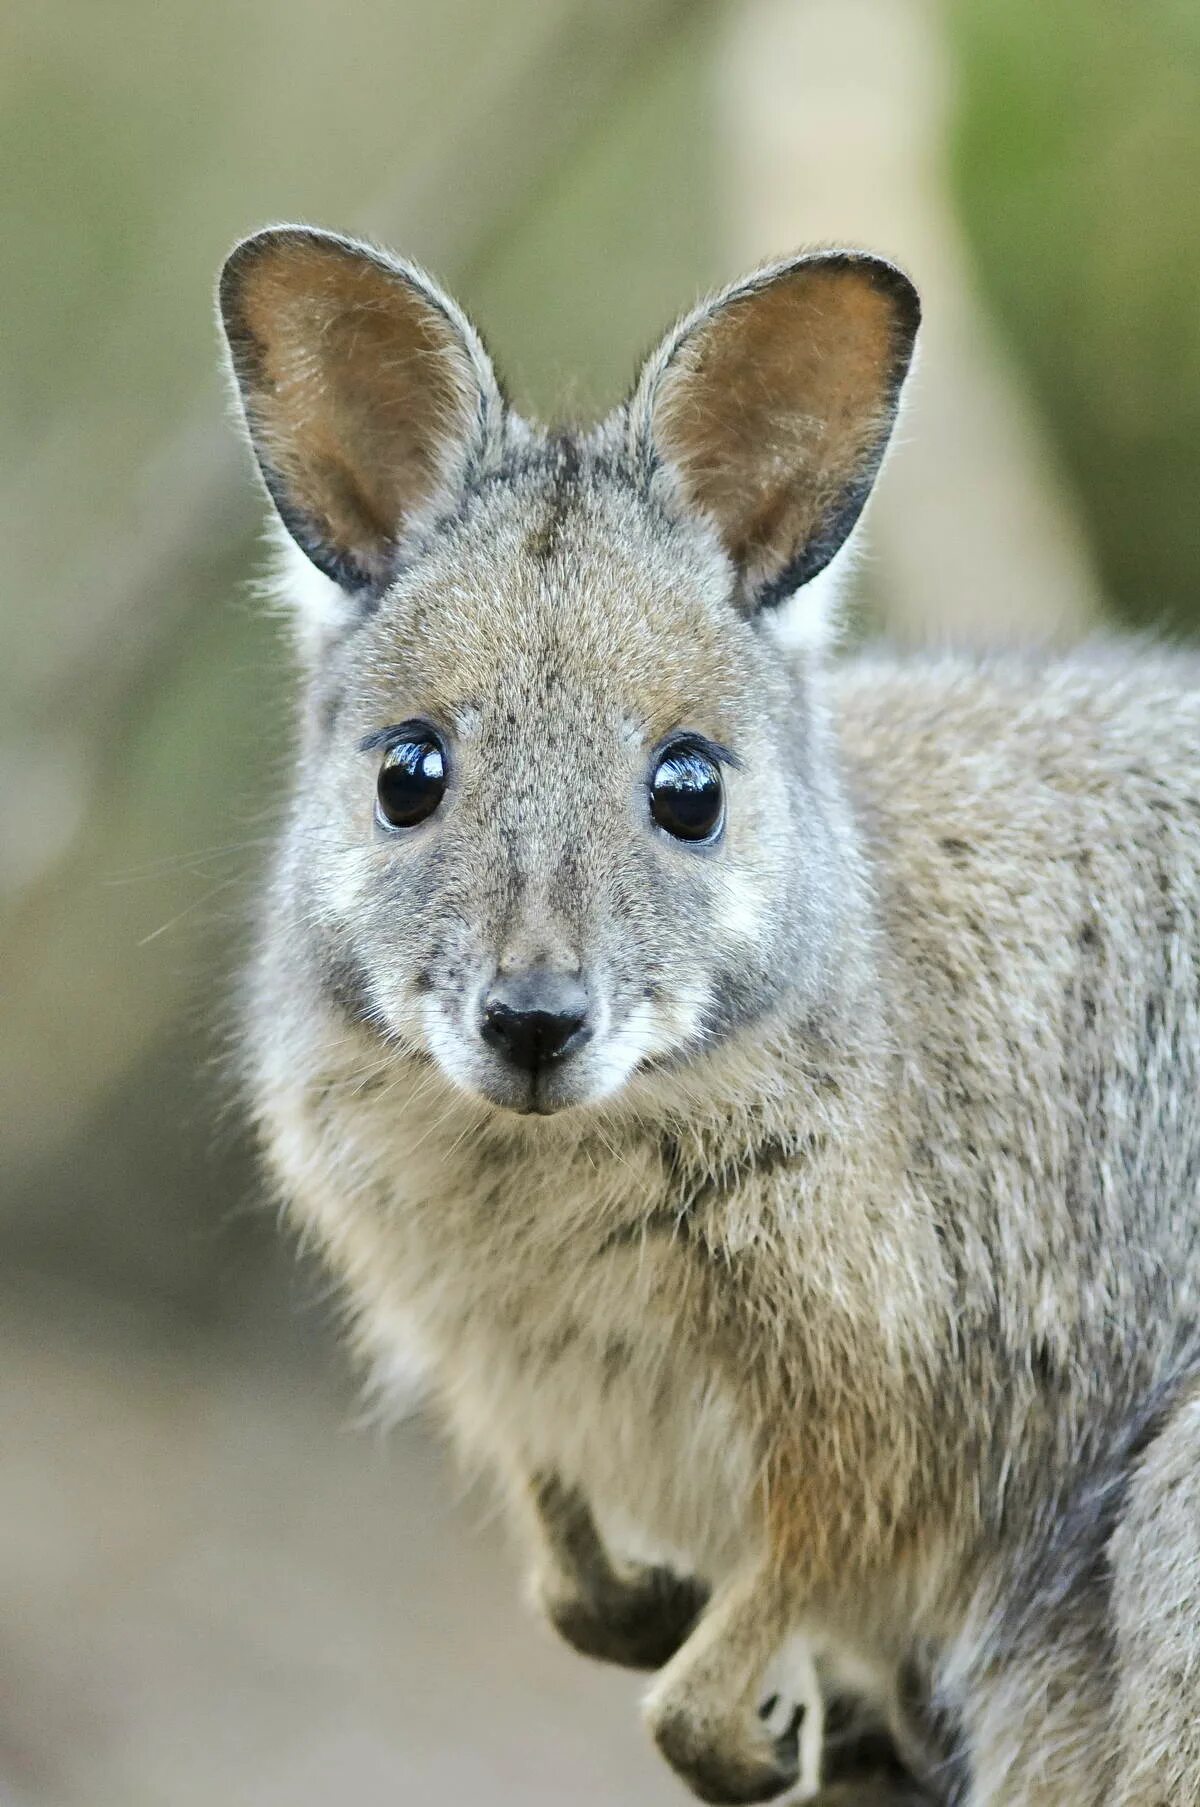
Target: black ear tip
(903,291)
(887,278)
(241,260)
(884,276)
(265,242)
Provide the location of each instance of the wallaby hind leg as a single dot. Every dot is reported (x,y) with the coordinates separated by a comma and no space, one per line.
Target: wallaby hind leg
(1155,1561)
(1034,1720)
(1040,1735)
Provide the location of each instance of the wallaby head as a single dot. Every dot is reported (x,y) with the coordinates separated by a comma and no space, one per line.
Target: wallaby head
(564,814)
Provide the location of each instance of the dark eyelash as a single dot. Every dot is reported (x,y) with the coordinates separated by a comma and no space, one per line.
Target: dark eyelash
(391,737)
(700,743)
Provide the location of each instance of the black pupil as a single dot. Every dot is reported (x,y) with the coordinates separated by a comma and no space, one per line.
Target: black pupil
(686,796)
(412,782)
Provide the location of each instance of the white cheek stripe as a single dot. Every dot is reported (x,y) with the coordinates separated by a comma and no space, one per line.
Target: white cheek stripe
(648,1031)
(741,908)
(445,1043)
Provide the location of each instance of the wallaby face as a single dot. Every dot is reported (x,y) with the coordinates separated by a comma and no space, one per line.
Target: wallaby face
(562,815)
(482,825)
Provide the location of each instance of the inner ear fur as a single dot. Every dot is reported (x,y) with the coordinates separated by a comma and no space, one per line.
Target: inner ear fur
(773,406)
(363,387)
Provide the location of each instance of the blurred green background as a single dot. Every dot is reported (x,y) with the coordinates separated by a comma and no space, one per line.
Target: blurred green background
(192,1559)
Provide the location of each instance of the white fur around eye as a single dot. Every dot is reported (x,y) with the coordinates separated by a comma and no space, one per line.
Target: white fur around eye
(351,877)
(740,909)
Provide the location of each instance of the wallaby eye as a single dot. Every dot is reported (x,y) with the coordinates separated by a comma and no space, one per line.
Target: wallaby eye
(412,779)
(687,797)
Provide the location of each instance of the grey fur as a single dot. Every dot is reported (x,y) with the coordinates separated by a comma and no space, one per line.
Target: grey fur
(854,1263)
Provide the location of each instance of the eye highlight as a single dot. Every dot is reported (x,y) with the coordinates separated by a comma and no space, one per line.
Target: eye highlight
(687,796)
(412,777)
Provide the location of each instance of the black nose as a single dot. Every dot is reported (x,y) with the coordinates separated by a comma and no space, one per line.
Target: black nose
(535,1017)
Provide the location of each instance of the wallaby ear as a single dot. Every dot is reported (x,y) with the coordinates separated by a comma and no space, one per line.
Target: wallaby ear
(772,407)
(366,392)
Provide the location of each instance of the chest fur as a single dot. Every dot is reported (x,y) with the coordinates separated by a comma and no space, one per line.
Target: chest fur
(600,1373)
(566,1322)
(655,1438)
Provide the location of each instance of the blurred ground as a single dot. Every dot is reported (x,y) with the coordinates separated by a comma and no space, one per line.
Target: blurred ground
(215,1588)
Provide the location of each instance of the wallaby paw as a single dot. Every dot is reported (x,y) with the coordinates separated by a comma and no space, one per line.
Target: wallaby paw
(729,1764)
(639,1620)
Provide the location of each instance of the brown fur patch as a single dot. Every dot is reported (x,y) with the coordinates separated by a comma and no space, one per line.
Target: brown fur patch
(776,408)
(355,388)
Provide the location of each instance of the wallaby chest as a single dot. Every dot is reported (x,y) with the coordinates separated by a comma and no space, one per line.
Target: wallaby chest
(570,1324)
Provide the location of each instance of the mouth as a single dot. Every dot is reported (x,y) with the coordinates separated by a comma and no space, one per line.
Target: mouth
(535,1095)
(547,1089)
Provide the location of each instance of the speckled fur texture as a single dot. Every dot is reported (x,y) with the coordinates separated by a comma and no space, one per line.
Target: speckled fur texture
(841,1294)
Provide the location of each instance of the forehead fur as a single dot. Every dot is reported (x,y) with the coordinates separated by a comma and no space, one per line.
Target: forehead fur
(557,580)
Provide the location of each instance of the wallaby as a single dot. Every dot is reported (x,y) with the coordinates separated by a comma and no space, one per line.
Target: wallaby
(764,1089)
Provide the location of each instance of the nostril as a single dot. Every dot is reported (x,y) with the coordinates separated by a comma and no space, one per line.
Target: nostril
(501,1025)
(534,1018)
